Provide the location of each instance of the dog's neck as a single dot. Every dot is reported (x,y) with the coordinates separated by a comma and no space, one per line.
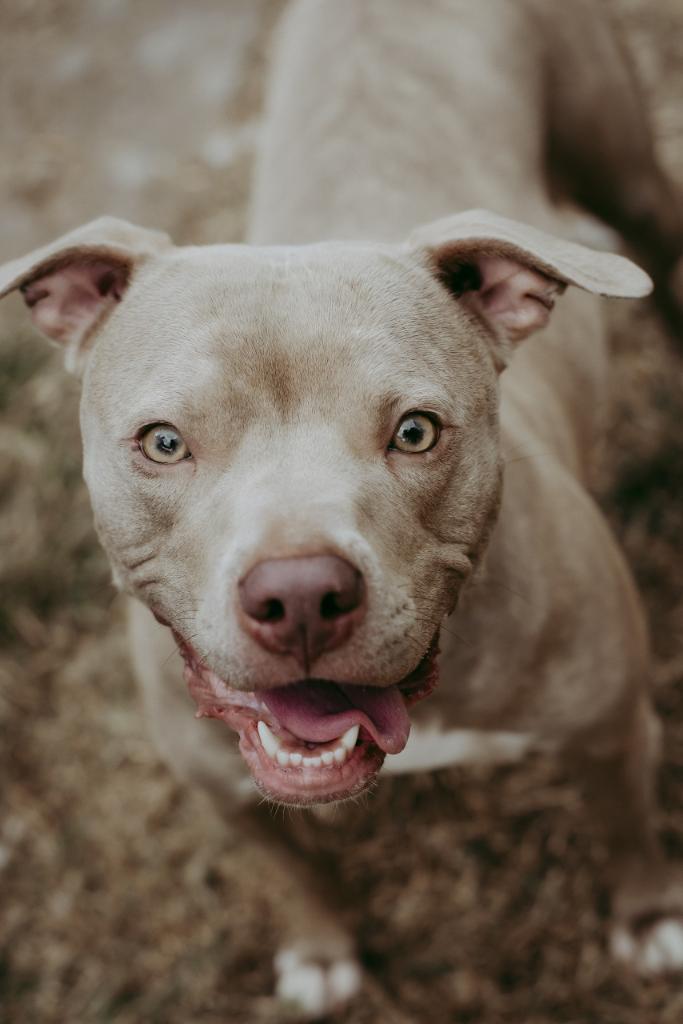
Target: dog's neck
(368,146)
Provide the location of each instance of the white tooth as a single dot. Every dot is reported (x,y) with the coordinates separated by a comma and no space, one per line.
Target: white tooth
(271,743)
(340,755)
(295,759)
(328,756)
(312,762)
(283,758)
(348,740)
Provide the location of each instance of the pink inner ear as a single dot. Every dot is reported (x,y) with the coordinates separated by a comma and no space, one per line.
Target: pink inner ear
(516,300)
(66,303)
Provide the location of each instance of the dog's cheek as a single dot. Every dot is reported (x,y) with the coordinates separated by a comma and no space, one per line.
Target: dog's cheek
(137,523)
(436,522)
(460,527)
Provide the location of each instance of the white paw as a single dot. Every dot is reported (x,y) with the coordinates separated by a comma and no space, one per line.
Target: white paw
(655,950)
(311,989)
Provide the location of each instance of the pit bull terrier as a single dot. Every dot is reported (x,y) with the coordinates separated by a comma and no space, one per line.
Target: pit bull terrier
(304,453)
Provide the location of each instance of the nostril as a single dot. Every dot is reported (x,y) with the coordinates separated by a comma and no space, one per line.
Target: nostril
(338,602)
(272,610)
(331,606)
(302,605)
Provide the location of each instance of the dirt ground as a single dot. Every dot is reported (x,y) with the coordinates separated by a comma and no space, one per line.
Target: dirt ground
(120,899)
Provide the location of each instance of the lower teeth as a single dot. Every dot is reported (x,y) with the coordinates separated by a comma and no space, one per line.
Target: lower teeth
(276,751)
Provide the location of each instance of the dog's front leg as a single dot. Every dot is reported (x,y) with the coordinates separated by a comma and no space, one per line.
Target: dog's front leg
(618,776)
(315,966)
(316,969)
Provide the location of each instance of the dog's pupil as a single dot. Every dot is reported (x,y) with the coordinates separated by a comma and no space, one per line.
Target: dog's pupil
(412,432)
(167,443)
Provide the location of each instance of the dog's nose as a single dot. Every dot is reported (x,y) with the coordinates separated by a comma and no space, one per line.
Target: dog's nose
(302,606)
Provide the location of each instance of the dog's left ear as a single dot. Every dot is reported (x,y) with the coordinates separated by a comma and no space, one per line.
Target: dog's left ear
(71,285)
(509,273)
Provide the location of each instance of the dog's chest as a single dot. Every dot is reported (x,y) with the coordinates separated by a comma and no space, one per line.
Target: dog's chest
(429,747)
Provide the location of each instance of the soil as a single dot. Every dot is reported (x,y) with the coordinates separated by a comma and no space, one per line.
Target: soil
(121,899)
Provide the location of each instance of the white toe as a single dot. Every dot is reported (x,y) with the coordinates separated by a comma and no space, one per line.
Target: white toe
(303,989)
(664,947)
(344,980)
(312,989)
(658,950)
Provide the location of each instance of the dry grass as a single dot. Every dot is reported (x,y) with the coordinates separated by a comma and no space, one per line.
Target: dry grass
(120,900)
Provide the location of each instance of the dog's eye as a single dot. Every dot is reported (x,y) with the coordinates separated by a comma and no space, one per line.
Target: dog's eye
(417,432)
(163,443)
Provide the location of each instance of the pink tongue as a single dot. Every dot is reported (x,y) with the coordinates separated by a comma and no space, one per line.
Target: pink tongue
(320,711)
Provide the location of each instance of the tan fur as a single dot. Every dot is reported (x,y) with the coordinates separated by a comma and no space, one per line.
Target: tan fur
(286,367)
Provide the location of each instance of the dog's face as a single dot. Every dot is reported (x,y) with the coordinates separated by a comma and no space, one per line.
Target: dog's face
(293,460)
(325,403)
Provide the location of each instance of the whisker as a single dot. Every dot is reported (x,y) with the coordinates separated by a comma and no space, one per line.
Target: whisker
(176,650)
(452,632)
(173,654)
(416,645)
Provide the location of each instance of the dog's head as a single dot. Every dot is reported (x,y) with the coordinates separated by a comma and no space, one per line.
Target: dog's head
(293,457)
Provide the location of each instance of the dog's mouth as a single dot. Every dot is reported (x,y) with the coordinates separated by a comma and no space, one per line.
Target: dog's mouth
(314,741)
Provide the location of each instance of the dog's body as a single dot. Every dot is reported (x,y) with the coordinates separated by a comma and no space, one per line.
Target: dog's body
(555,391)
(385,114)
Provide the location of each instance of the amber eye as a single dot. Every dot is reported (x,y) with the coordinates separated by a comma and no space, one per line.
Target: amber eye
(163,443)
(417,432)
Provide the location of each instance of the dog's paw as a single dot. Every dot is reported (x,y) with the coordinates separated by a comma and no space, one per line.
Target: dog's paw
(310,986)
(652,946)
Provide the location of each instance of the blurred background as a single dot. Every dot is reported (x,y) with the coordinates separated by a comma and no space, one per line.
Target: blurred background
(120,898)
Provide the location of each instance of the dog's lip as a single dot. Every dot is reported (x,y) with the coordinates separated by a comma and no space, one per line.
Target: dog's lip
(299,787)
(242,710)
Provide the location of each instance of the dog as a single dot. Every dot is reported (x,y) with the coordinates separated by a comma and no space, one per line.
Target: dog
(304,453)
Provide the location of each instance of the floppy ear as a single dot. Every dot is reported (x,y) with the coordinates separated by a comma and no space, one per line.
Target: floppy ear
(509,273)
(71,285)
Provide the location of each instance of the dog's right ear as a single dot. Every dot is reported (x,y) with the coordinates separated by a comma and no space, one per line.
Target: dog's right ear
(508,273)
(71,285)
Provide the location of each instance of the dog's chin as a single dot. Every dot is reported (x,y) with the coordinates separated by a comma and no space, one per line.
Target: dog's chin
(316,782)
(323,767)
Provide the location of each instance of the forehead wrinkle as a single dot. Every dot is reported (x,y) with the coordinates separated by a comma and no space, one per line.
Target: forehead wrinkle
(267,371)
(293,337)
(276,332)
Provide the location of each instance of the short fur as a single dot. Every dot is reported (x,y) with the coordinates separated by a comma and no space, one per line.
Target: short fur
(287,361)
